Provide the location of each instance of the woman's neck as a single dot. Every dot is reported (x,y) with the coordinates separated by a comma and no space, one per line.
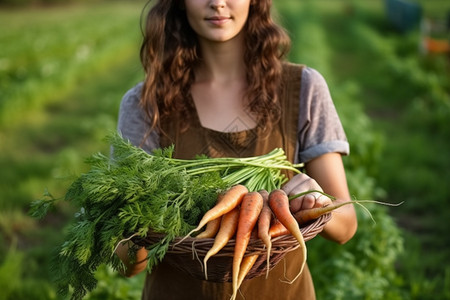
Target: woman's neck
(222,62)
(219,88)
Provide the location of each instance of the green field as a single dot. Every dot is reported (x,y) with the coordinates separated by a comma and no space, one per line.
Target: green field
(64,69)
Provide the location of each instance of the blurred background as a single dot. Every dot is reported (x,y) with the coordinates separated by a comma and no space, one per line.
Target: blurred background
(65,65)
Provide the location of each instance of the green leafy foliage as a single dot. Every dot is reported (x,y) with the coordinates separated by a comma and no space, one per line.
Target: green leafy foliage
(14,284)
(117,198)
(364,266)
(10,272)
(113,286)
(131,192)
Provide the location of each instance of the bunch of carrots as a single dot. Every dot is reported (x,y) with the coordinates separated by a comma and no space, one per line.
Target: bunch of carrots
(239,213)
(243,215)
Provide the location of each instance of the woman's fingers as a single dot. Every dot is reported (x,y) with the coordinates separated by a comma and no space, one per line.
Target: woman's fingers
(303,183)
(296,182)
(295,204)
(306,201)
(309,201)
(322,201)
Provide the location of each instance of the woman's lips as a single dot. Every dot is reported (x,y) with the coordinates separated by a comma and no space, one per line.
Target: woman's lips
(218,20)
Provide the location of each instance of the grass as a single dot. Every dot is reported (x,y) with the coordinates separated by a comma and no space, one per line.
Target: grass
(52,150)
(61,118)
(35,71)
(48,137)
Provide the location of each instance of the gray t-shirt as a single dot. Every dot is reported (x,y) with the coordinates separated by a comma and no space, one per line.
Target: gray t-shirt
(319,128)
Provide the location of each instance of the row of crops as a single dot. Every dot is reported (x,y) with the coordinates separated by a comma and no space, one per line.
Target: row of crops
(406,94)
(39,63)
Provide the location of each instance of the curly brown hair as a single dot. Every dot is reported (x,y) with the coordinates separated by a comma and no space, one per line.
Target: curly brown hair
(170,53)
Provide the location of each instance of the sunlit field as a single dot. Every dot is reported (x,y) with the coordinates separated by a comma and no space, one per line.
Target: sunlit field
(65,68)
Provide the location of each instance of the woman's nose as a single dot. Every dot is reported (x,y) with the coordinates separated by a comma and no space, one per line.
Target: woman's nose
(216,4)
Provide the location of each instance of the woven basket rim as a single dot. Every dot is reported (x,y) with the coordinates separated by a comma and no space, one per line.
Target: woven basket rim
(187,255)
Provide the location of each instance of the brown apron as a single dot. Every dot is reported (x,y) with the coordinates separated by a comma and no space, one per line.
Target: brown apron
(166,282)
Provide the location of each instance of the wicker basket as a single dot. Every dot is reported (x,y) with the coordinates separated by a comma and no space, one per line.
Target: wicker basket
(188,255)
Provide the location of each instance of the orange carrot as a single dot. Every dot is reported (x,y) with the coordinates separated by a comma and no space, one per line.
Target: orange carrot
(279,203)
(227,229)
(264,224)
(212,227)
(306,215)
(232,198)
(277,229)
(250,209)
(246,266)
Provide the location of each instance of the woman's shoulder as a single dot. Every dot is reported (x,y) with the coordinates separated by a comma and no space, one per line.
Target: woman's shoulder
(133,122)
(313,78)
(310,77)
(130,103)
(132,96)
(308,80)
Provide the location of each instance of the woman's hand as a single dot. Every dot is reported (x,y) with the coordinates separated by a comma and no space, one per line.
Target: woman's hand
(140,261)
(302,183)
(328,173)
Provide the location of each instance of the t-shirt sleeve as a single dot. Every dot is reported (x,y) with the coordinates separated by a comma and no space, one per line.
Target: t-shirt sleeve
(320,129)
(133,122)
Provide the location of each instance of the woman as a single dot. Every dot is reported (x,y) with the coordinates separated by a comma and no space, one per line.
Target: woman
(216,84)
